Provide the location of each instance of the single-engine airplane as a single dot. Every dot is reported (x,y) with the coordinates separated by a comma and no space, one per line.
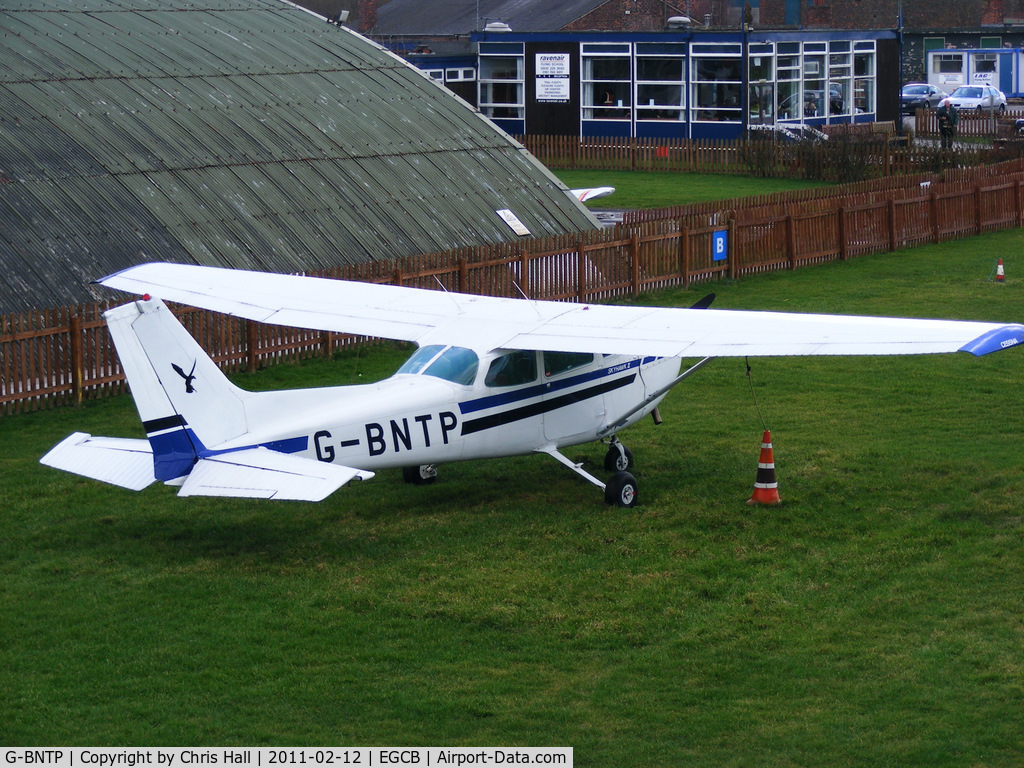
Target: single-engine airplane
(490,377)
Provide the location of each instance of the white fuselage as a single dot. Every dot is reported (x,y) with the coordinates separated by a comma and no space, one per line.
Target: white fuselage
(418,418)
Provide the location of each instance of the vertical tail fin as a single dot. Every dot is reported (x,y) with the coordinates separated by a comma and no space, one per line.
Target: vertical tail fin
(184,400)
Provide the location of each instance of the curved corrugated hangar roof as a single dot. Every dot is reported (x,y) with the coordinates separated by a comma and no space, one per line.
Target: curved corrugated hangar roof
(243,133)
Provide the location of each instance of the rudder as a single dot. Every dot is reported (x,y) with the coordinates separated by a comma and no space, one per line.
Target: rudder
(185,402)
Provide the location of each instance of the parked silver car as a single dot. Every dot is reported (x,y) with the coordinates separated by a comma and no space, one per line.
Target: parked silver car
(916,96)
(978,97)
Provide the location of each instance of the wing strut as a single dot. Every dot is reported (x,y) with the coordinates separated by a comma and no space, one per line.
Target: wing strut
(621,421)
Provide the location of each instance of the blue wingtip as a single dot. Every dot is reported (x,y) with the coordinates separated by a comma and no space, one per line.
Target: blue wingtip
(1003,337)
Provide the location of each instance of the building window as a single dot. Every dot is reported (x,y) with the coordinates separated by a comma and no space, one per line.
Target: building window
(788,71)
(864,77)
(501,84)
(984,68)
(840,78)
(950,62)
(991,42)
(815,94)
(459,74)
(607,81)
(761,77)
(717,75)
(660,82)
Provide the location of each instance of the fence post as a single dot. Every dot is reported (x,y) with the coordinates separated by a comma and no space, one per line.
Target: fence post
(634,263)
(977,208)
(732,248)
(892,224)
(524,272)
(844,251)
(250,345)
(684,254)
(326,344)
(934,206)
(463,275)
(581,268)
(77,359)
(1017,207)
(791,240)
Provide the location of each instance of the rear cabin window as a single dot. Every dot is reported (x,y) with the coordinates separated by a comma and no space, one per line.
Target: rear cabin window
(512,369)
(560,362)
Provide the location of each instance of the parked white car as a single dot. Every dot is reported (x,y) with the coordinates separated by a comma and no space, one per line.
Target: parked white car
(978,97)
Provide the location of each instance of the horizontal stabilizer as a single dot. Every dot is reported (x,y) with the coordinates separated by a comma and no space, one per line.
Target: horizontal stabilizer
(116,460)
(260,473)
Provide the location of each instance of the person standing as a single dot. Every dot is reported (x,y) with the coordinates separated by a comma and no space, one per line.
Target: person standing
(948,116)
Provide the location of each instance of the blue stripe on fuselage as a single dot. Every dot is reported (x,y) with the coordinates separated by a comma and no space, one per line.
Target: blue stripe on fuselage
(537,390)
(176,447)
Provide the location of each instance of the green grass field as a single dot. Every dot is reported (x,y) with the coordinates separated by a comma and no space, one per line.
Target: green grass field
(662,189)
(875,618)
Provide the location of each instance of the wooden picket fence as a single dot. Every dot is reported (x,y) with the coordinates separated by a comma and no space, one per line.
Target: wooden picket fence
(972,123)
(849,155)
(64,356)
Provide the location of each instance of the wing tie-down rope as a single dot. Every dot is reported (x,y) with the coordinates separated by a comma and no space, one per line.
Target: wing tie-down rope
(750,381)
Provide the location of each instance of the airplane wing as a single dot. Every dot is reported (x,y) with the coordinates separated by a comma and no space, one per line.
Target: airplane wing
(484,323)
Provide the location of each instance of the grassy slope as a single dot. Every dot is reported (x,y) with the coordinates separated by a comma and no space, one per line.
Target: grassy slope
(659,190)
(873,619)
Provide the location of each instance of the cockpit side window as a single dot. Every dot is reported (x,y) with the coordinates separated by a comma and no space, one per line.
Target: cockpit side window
(560,362)
(455,364)
(420,359)
(515,368)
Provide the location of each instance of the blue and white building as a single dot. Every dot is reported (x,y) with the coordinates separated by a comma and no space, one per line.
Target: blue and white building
(689,83)
(950,68)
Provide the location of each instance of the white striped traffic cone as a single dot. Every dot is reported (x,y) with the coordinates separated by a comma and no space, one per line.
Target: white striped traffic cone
(766,486)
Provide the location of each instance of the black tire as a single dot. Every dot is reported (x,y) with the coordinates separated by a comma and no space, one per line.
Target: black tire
(621,490)
(421,475)
(614,461)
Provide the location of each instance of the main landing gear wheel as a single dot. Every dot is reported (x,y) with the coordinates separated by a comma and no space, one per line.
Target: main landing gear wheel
(619,458)
(620,491)
(424,474)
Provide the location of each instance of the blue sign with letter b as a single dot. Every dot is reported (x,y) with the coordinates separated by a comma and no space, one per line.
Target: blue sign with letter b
(719,241)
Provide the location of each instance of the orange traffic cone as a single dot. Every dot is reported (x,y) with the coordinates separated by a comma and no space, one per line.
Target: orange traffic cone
(766,487)
(1000,275)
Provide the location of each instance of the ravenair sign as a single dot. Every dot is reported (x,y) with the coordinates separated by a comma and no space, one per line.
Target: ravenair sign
(552,64)
(552,83)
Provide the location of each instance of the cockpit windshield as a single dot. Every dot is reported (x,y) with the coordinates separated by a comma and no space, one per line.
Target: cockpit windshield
(455,364)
